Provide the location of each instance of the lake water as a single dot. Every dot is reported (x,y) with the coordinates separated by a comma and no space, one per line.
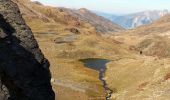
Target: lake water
(99,65)
(95,63)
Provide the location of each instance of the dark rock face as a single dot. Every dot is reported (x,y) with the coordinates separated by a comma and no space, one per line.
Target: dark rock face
(24,72)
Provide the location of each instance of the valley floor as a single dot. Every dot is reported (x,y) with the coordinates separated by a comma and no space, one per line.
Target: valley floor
(139,67)
(131,75)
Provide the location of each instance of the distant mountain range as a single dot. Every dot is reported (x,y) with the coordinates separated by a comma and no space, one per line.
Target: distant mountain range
(136,19)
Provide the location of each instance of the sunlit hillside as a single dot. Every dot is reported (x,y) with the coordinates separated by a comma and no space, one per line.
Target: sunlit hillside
(64,40)
(146,76)
(139,58)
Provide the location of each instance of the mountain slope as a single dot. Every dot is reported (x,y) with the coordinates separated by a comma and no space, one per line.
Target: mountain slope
(131,73)
(137,19)
(39,16)
(65,39)
(145,76)
(157,40)
(101,24)
(152,39)
(67,19)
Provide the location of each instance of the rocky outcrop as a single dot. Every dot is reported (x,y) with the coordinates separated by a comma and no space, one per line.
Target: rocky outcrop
(24,72)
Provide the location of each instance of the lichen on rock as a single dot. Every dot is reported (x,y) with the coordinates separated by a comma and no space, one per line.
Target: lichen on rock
(24,72)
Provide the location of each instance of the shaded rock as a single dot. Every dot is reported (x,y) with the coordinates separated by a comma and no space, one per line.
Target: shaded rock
(24,72)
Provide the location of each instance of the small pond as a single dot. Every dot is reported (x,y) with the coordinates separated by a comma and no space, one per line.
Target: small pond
(95,63)
(99,65)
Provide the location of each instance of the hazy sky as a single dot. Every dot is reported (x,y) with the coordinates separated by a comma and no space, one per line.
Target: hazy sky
(111,6)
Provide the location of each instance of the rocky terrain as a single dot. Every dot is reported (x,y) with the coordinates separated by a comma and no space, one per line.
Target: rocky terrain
(24,72)
(138,67)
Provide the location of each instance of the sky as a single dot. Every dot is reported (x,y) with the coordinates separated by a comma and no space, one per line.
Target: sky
(111,6)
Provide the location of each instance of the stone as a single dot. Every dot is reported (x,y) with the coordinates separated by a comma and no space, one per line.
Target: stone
(24,71)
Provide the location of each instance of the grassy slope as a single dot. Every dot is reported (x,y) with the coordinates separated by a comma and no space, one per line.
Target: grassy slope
(71,80)
(145,76)
(132,76)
